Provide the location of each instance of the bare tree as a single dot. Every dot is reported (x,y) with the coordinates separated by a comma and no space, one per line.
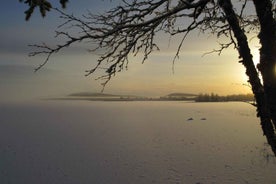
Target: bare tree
(131,28)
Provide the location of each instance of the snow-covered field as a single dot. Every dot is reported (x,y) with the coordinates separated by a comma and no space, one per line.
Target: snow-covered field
(82,142)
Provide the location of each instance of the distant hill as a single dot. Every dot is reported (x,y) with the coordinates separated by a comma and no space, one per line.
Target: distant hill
(101,97)
(105,95)
(170,97)
(89,94)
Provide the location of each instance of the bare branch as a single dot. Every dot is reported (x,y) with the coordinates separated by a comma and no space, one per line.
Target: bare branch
(131,28)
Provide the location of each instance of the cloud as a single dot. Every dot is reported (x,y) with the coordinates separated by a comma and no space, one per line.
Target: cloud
(13,71)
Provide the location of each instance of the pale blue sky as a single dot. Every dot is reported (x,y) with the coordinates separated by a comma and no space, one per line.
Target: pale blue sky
(64,74)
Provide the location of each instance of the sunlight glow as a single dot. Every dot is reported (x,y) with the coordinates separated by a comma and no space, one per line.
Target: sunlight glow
(256,56)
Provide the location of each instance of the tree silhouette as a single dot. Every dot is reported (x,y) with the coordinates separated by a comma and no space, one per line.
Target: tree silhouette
(131,28)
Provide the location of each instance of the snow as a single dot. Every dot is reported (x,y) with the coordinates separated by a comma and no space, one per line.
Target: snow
(82,142)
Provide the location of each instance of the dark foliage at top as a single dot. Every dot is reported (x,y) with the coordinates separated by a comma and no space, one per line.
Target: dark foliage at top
(43,5)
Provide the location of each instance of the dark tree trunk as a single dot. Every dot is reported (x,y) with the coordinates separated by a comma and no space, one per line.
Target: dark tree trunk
(262,96)
(267,65)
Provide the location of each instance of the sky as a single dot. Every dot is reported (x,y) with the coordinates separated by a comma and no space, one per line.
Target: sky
(64,74)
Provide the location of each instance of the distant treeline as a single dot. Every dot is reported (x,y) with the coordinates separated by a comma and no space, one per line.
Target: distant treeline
(216,98)
(179,97)
(170,97)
